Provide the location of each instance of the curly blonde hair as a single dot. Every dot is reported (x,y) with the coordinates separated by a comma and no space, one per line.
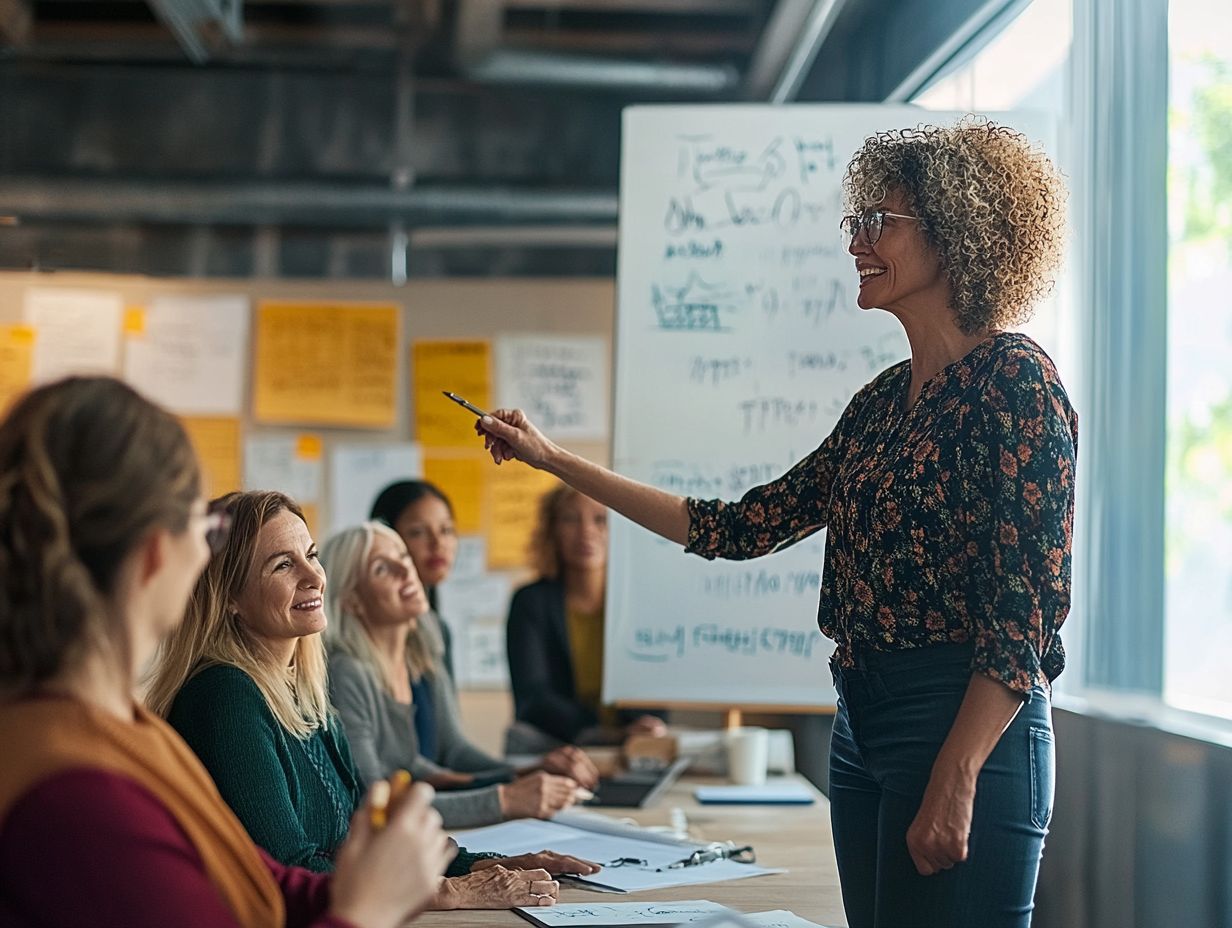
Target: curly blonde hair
(991,204)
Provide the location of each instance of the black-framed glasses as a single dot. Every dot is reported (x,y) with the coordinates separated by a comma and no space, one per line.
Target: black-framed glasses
(872,221)
(217,527)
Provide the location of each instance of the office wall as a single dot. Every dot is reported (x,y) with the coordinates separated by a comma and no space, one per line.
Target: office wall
(1142,828)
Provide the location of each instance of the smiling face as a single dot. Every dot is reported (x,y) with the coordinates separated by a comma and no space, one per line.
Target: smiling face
(426,526)
(902,270)
(282,599)
(581,533)
(389,591)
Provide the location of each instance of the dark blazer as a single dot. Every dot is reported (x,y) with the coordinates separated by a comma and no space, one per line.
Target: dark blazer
(540,664)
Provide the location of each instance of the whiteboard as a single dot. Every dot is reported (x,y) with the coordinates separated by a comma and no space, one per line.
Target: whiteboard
(738,344)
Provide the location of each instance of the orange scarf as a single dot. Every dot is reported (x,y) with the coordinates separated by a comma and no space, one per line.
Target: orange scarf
(44,736)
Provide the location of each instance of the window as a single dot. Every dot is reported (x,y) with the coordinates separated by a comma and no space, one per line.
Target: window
(1198,565)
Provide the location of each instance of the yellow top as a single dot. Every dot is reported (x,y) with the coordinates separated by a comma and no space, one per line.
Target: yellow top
(586,649)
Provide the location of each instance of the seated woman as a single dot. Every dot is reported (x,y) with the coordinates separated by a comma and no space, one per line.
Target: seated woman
(107,817)
(395,698)
(423,515)
(243,680)
(555,633)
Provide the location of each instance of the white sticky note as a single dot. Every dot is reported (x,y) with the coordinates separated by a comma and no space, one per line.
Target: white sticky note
(78,331)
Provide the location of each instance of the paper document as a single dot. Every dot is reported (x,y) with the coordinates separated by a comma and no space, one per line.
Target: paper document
(773,792)
(632,859)
(780,918)
(619,914)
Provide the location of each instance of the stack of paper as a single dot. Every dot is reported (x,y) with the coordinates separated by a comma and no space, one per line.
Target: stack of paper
(633,859)
(657,915)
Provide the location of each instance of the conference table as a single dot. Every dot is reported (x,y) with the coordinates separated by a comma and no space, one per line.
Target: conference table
(793,837)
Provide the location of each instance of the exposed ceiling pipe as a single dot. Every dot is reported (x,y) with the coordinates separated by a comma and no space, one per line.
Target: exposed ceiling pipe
(550,69)
(480,57)
(191,20)
(296,204)
(809,41)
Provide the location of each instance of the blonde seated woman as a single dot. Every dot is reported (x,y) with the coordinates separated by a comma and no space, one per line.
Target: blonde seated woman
(243,680)
(397,701)
(106,817)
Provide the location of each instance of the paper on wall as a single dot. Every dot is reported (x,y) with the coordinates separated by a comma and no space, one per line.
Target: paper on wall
(461,476)
(16,362)
(327,364)
(78,331)
(359,472)
(461,366)
(475,607)
(291,464)
(190,353)
(217,443)
(560,382)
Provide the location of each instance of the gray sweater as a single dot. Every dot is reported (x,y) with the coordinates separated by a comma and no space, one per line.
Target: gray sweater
(381,732)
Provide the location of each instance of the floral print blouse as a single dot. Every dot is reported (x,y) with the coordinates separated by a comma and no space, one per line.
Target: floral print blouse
(950,521)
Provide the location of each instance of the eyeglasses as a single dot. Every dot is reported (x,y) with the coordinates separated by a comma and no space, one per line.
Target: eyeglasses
(217,527)
(872,221)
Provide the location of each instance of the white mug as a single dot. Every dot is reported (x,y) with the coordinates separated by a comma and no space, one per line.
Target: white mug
(748,751)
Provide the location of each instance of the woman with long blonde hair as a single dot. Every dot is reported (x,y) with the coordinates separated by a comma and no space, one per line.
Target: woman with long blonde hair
(244,682)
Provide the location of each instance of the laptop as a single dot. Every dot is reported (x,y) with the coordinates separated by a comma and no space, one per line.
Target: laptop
(637,789)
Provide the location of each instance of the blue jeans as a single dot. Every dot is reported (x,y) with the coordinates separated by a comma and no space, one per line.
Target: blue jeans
(894,711)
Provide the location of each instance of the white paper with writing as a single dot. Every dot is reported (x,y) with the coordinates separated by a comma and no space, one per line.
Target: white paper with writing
(271,462)
(561,382)
(192,354)
(359,472)
(78,331)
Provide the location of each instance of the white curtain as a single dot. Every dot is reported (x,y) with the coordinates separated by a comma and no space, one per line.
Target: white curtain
(1119,86)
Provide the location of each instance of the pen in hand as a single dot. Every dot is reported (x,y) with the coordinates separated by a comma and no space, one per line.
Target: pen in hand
(464,404)
(385,792)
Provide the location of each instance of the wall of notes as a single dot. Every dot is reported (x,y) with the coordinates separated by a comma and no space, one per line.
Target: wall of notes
(328,392)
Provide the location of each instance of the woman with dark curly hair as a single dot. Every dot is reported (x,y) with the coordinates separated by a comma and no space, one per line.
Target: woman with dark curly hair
(947,488)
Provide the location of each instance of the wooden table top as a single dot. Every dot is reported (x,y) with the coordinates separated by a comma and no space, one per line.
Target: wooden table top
(794,837)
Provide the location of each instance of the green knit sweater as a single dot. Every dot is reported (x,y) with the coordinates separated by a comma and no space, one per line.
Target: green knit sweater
(294,796)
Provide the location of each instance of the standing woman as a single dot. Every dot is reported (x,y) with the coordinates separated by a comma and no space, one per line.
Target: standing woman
(106,817)
(947,492)
(554,636)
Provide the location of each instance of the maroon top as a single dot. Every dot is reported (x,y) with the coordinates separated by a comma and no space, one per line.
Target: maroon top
(91,848)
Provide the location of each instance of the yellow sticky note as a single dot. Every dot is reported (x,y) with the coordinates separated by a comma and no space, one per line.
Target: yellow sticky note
(217,443)
(514,492)
(134,320)
(326,363)
(16,362)
(461,367)
(462,477)
(312,515)
(308,447)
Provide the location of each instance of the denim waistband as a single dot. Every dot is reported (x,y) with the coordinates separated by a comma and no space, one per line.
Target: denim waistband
(907,659)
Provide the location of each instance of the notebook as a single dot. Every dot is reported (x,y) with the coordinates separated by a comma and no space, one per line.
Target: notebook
(782,793)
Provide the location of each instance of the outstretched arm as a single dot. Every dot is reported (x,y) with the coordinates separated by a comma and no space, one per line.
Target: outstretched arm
(510,436)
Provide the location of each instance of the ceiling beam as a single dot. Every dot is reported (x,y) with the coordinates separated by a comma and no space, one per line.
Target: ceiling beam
(195,22)
(712,7)
(803,51)
(16,20)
